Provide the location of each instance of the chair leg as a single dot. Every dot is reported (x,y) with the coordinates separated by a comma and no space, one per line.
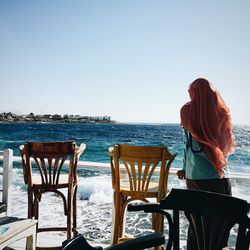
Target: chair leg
(157,222)
(75,211)
(157,226)
(122,221)
(118,220)
(31,240)
(115,218)
(36,209)
(69,214)
(30,204)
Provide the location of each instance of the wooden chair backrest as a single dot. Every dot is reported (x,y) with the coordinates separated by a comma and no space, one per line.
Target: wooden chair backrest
(140,163)
(49,158)
(208,213)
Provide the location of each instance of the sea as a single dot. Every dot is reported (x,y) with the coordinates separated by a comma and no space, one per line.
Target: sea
(94,208)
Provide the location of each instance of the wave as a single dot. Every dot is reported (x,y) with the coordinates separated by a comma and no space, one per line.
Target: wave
(96,189)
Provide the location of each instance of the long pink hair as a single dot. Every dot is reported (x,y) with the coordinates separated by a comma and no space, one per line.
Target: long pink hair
(208,120)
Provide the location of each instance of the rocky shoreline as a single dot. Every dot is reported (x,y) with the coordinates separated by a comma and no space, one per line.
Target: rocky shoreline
(55,118)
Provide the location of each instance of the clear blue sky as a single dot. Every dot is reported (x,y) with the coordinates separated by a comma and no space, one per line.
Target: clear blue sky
(132,60)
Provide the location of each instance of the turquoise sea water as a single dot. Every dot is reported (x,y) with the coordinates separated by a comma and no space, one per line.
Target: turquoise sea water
(99,137)
(94,205)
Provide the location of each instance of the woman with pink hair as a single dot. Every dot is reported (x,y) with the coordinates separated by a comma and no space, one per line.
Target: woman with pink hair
(208,141)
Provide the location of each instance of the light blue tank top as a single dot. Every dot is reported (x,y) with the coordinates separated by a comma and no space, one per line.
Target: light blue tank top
(195,163)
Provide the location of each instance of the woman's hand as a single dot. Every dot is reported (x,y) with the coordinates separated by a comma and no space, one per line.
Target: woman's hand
(181,174)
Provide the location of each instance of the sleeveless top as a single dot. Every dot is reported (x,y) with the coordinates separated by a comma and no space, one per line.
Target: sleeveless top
(195,163)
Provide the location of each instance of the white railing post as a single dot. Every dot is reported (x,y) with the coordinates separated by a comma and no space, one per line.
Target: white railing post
(7,178)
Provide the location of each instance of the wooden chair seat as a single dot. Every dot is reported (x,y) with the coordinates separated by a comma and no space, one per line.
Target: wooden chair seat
(152,189)
(63,180)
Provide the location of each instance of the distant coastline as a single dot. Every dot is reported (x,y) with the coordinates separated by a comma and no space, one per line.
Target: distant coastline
(10,117)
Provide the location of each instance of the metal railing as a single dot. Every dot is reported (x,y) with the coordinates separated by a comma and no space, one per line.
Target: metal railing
(7,158)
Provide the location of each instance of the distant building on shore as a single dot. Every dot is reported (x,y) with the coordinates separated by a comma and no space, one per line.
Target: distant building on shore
(55,118)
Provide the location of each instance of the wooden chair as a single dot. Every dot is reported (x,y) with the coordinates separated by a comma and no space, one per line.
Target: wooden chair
(134,178)
(211,217)
(47,160)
